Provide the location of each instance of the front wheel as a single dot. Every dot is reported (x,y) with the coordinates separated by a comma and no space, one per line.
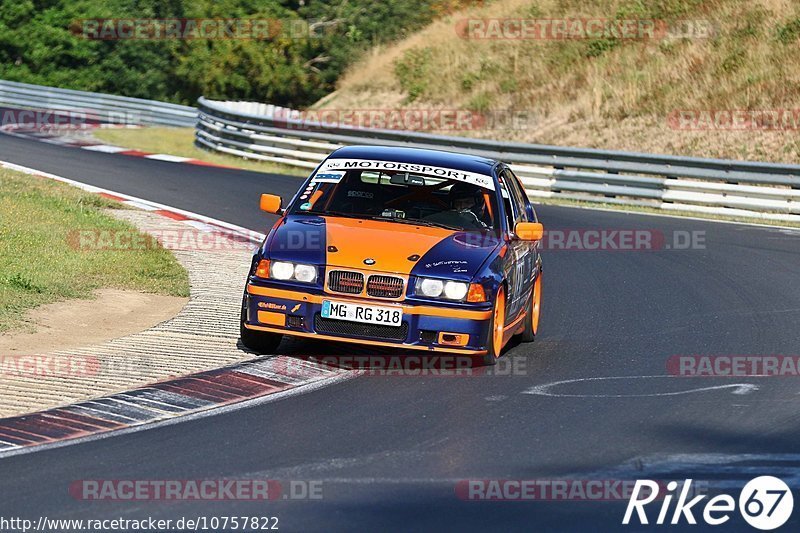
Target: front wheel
(261,342)
(494,344)
(534,311)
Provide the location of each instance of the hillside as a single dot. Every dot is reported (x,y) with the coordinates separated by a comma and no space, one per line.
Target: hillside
(284,52)
(708,81)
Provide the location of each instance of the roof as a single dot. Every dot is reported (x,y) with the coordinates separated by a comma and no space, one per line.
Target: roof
(437,158)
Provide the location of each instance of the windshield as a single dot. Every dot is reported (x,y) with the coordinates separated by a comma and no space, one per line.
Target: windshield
(401,197)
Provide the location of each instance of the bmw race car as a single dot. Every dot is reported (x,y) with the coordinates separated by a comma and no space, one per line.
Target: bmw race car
(399,247)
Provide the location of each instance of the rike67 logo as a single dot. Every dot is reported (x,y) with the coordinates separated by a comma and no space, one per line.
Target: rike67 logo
(765,503)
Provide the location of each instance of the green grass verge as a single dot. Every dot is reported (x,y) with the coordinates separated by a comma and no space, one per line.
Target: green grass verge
(38,265)
(663,212)
(180,142)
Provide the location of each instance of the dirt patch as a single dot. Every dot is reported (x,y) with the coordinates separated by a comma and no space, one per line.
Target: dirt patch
(113,313)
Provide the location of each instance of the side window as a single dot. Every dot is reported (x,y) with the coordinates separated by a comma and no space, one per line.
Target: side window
(526,206)
(509,206)
(517,197)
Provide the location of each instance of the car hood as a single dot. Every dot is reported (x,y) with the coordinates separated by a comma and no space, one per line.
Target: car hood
(381,246)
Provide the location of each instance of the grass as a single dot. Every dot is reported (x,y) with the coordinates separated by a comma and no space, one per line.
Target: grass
(601,92)
(38,265)
(180,142)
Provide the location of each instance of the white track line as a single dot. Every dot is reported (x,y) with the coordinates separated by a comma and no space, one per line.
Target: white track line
(137,202)
(170,158)
(203,413)
(106,148)
(210,411)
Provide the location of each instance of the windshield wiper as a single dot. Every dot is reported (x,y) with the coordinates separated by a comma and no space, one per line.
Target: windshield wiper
(416,222)
(334,214)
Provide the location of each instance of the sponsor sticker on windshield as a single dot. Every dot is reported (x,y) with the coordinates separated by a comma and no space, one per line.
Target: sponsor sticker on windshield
(333,165)
(328,177)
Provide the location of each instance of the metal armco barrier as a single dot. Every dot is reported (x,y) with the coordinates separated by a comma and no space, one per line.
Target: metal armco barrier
(713,186)
(96,106)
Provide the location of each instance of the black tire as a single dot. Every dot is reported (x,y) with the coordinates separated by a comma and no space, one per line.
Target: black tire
(528,335)
(492,353)
(261,342)
(489,359)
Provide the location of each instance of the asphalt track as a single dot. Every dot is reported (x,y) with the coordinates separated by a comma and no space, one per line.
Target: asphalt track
(389,450)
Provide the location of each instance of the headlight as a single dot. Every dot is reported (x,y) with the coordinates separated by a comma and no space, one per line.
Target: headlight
(436,288)
(455,290)
(305,273)
(432,288)
(285,270)
(282,270)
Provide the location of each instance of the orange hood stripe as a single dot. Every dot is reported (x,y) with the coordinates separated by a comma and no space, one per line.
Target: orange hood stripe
(388,243)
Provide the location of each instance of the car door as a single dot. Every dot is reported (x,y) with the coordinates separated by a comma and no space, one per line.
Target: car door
(522,256)
(533,262)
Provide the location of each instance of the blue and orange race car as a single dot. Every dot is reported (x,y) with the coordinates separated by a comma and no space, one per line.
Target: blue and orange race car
(399,247)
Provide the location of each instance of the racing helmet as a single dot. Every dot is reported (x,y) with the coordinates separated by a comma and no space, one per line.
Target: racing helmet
(463,191)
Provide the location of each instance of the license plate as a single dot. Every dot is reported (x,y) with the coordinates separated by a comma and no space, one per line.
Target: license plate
(388,316)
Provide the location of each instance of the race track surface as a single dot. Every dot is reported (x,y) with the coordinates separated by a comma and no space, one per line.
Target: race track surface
(390,450)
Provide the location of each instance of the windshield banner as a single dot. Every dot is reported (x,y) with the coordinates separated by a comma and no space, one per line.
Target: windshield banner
(481,180)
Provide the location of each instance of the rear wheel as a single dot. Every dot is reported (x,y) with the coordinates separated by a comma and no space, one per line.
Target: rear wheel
(534,311)
(261,342)
(494,345)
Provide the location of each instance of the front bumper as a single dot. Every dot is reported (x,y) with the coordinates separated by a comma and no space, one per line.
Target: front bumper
(295,312)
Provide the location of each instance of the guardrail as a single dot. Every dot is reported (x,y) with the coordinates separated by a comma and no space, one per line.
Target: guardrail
(96,106)
(712,186)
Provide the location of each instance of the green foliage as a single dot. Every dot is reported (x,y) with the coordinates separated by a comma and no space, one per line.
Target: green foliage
(469,80)
(657,9)
(41,42)
(412,70)
(18,281)
(598,46)
(789,32)
(480,102)
(508,85)
(750,24)
(733,61)
(533,11)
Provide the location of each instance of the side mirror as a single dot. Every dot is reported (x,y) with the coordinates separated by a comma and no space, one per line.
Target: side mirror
(529,231)
(271,203)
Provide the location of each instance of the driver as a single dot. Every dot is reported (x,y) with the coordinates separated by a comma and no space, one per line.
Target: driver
(467,200)
(467,207)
